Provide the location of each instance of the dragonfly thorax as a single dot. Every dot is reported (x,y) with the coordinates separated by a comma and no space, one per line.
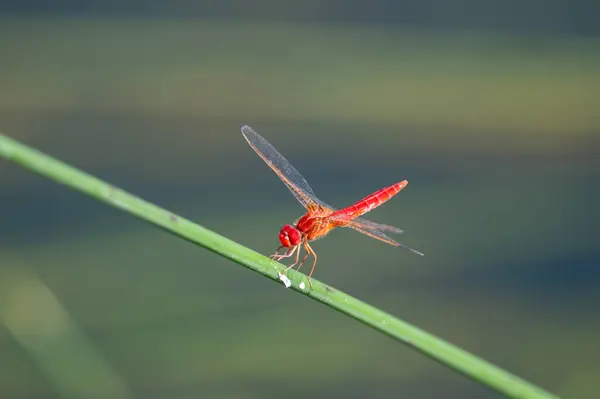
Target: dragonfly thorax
(290,236)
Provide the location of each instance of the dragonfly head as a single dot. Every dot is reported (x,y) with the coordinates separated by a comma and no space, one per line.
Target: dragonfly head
(290,236)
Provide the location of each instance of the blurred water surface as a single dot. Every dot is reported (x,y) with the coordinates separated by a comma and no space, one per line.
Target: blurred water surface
(496,133)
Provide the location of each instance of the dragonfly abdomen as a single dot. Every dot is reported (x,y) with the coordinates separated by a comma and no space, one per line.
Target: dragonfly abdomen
(372,201)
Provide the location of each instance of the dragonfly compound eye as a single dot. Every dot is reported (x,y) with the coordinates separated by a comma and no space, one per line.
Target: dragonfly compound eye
(289,236)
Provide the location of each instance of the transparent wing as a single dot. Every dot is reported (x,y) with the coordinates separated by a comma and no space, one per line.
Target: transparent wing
(378,235)
(293,180)
(367,224)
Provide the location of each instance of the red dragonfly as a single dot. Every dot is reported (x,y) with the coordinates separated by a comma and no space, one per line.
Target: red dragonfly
(320,218)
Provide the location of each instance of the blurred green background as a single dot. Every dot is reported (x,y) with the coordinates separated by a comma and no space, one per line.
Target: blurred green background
(490,111)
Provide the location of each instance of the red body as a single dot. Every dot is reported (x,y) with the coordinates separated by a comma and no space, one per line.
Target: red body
(316,224)
(320,218)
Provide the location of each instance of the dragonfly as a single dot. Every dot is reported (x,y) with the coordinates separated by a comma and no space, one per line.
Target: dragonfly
(320,218)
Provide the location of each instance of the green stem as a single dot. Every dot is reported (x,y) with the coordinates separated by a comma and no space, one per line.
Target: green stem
(448,354)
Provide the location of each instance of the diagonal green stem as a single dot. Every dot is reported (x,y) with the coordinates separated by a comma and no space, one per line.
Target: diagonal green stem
(444,352)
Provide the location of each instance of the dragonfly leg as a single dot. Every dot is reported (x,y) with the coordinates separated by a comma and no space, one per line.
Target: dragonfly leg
(277,257)
(309,249)
(297,250)
(303,260)
(276,254)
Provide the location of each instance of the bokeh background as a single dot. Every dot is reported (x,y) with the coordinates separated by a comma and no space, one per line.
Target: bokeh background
(489,109)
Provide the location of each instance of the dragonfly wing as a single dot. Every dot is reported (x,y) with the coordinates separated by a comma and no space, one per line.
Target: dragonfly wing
(368,225)
(292,179)
(378,235)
